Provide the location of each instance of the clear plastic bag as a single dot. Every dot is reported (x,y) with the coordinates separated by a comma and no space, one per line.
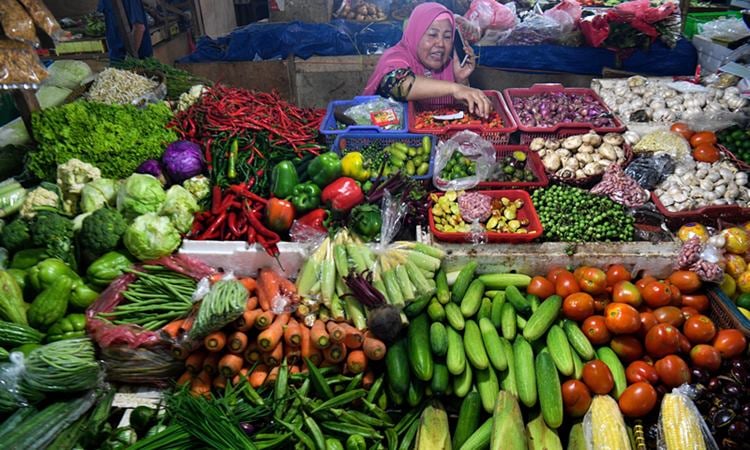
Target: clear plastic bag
(11,372)
(650,170)
(44,19)
(489,14)
(10,204)
(20,67)
(472,146)
(383,112)
(470,30)
(17,24)
(621,188)
(141,365)
(604,422)
(724,29)
(681,425)
(393,211)
(536,28)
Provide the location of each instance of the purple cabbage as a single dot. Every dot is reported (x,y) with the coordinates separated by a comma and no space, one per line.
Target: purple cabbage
(183,160)
(153,167)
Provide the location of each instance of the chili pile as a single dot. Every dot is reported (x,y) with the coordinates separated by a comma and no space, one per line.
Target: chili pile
(425,119)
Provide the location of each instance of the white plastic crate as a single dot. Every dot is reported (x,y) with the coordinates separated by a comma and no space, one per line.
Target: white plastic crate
(244,259)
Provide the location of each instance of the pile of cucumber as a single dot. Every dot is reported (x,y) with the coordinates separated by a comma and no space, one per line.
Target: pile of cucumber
(485,335)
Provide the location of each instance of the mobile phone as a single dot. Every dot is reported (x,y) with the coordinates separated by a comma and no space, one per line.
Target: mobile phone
(458,45)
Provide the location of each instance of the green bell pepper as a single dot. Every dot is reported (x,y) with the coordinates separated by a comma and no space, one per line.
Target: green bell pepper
(44,274)
(20,276)
(306,197)
(25,259)
(107,267)
(121,438)
(356,442)
(72,326)
(324,169)
(82,295)
(366,220)
(26,349)
(283,179)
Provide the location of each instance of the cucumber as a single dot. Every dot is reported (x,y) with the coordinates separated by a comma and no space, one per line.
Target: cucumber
(503,280)
(578,340)
(550,392)
(397,398)
(525,374)
(480,439)
(462,281)
(508,322)
(468,419)
(438,339)
(612,361)
(559,349)
(462,383)
(418,343)
(497,308)
(507,424)
(577,365)
(415,308)
(492,344)
(488,387)
(435,311)
(455,318)
(520,323)
(485,309)
(543,318)
(474,347)
(456,358)
(443,293)
(534,302)
(576,438)
(440,379)
(397,367)
(518,300)
(508,378)
(415,394)
(472,300)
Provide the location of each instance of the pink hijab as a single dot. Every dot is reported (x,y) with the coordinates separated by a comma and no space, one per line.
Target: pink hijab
(404,54)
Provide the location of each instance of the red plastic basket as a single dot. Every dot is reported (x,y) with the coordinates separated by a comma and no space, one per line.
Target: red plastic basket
(533,162)
(581,127)
(708,215)
(499,135)
(527,212)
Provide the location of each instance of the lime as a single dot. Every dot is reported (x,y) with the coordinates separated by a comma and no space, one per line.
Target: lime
(743,301)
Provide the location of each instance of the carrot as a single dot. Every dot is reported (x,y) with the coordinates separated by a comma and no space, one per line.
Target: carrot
(374,348)
(264,320)
(238,378)
(267,288)
(258,376)
(220,382)
(200,389)
(204,377)
(293,354)
(319,335)
(237,342)
(214,277)
(307,349)
(194,362)
(252,303)
(335,332)
(172,329)
(335,353)
(368,379)
(252,353)
(249,283)
(353,337)
(182,350)
(230,364)
(247,320)
(292,336)
(268,338)
(215,341)
(185,378)
(210,363)
(356,361)
(274,357)
(294,369)
(272,375)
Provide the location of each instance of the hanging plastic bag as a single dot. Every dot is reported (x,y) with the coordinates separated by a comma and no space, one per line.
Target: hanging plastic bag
(44,19)
(471,146)
(20,67)
(17,24)
(489,14)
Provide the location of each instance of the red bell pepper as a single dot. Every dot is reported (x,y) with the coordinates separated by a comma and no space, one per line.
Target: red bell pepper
(279,214)
(342,195)
(309,225)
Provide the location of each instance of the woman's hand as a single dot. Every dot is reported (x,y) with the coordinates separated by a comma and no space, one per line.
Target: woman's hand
(477,101)
(461,74)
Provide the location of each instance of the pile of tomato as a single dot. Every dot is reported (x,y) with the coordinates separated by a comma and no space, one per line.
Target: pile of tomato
(659,329)
(426,119)
(703,143)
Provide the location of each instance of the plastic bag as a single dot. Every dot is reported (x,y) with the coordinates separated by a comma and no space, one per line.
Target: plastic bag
(679,415)
(691,257)
(44,19)
(11,372)
(141,365)
(650,170)
(470,31)
(724,29)
(393,211)
(20,67)
(535,29)
(383,112)
(567,14)
(17,24)
(620,187)
(602,421)
(472,146)
(489,14)
(363,11)
(663,141)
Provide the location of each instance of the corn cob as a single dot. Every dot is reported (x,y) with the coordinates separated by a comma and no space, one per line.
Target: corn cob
(680,424)
(607,425)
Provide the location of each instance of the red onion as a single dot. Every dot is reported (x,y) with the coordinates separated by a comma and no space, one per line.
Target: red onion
(475,206)
(550,108)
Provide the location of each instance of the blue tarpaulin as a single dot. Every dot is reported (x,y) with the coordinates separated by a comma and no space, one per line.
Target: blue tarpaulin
(338,38)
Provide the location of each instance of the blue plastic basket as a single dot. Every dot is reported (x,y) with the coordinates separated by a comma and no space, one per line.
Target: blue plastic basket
(354,141)
(329,130)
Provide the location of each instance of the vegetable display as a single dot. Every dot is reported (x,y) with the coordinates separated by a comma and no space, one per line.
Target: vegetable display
(549,109)
(582,156)
(426,119)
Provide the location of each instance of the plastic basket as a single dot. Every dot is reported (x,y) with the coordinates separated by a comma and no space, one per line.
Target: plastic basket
(708,215)
(694,20)
(496,136)
(581,127)
(329,130)
(725,313)
(354,141)
(527,212)
(533,162)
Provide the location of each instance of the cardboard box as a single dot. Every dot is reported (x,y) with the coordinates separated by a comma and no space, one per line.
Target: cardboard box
(312,11)
(81,46)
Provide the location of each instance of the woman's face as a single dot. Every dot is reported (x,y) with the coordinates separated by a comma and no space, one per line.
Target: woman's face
(436,45)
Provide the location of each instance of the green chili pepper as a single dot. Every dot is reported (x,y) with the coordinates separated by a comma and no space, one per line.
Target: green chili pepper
(356,442)
(232,168)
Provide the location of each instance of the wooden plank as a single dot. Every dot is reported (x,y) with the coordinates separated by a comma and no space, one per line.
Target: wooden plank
(261,75)
(218,17)
(26,103)
(352,63)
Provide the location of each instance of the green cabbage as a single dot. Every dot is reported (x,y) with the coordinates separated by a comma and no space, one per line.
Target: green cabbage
(151,236)
(140,194)
(67,73)
(98,193)
(180,206)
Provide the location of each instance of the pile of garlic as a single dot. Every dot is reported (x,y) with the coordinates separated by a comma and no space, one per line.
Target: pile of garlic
(580,156)
(694,185)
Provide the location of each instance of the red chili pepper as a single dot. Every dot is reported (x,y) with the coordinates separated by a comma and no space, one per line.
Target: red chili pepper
(214,230)
(216,200)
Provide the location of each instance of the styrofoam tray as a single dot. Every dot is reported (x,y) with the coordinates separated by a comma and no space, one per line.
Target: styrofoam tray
(246,260)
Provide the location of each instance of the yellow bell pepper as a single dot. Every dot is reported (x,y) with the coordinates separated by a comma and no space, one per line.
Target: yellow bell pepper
(353,166)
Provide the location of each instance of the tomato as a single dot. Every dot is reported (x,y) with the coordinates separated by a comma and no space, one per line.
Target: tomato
(592,280)
(657,294)
(626,292)
(662,340)
(673,371)
(688,312)
(576,398)
(617,272)
(676,298)
(730,343)
(541,287)
(648,321)
(697,301)
(554,272)
(706,357)
(669,314)
(628,348)
(600,303)
(641,371)
(703,137)
(699,329)
(566,284)
(685,344)
(683,129)
(578,306)
(595,328)
(687,281)
(637,400)
(644,281)
(706,153)
(622,318)
(598,377)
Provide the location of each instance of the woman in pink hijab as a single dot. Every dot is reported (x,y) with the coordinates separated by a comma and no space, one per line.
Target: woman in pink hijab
(424,65)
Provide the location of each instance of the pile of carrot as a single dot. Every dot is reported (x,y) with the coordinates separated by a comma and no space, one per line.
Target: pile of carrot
(255,344)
